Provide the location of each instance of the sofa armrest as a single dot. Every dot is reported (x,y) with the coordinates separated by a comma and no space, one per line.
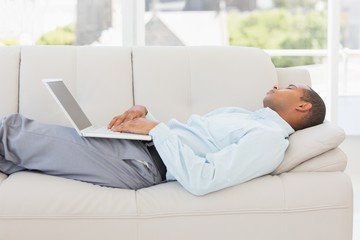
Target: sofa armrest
(330,161)
(309,143)
(9,75)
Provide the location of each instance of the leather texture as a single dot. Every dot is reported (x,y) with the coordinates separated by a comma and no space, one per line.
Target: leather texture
(99,78)
(325,137)
(199,79)
(9,76)
(309,198)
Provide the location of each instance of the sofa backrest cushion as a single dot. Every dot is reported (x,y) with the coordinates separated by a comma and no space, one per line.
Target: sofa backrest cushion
(9,76)
(287,76)
(179,81)
(100,78)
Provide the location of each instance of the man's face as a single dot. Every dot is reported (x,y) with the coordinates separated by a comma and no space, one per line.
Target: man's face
(282,99)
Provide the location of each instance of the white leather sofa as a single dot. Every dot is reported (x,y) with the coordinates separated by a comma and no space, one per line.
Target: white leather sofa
(307,197)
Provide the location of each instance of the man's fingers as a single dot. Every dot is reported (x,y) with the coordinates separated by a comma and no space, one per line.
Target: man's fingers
(138,125)
(116,121)
(134,112)
(123,127)
(130,116)
(111,124)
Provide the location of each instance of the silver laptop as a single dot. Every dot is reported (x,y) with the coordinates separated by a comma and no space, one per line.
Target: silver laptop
(78,118)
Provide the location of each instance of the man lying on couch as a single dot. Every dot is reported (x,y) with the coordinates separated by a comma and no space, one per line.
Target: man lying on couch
(223,148)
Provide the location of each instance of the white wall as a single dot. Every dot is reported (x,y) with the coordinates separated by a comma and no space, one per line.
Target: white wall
(351,147)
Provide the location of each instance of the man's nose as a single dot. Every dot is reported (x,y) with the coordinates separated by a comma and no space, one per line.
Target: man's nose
(277,87)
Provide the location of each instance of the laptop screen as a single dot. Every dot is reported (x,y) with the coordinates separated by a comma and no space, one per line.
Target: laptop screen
(69,104)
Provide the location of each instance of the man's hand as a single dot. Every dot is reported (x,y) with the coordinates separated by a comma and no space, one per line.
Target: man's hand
(138,125)
(136,111)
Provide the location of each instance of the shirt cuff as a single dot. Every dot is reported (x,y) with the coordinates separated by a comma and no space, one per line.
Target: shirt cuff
(150,116)
(160,133)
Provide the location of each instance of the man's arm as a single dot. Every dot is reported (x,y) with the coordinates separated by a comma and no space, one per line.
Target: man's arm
(234,164)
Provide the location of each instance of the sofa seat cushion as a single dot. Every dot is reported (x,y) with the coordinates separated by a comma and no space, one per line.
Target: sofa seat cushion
(30,194)
(310,142)
(40,195)
(47,207)
(3,176)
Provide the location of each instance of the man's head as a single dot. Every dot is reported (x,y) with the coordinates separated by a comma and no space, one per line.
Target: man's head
(297,104)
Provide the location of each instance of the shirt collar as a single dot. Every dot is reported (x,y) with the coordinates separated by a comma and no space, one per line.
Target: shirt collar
(269,114)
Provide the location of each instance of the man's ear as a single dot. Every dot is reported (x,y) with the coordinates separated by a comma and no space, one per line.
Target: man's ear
(304,106)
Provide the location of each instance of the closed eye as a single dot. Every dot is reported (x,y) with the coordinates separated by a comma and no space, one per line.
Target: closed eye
(291,86)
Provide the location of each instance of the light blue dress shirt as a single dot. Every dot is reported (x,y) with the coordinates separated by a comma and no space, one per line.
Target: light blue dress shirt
(223,148)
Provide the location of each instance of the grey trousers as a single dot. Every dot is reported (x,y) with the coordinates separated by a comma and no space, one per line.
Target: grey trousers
(55,150)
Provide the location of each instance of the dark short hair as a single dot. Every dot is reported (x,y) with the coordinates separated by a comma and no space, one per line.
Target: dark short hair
(317,113)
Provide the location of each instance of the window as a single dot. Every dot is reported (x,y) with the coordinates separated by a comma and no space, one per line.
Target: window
(25,22)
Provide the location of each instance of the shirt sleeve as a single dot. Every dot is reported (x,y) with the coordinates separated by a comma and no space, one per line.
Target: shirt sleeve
(256,154)
(150,116)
